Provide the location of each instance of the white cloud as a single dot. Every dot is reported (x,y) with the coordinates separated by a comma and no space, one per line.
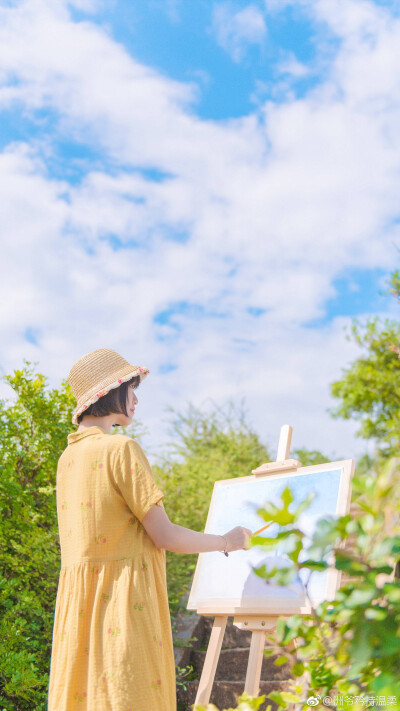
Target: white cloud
(236,29)
(102,95)
(86,5)
(291,65)
(274,206)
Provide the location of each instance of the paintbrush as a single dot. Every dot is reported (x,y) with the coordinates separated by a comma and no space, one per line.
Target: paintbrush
(260,530)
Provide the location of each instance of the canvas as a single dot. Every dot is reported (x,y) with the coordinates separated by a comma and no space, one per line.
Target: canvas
(228,585)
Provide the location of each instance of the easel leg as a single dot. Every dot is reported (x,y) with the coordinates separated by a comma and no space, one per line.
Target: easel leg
(211,661)
(252,684)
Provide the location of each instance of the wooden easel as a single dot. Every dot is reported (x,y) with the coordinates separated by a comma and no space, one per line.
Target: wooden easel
(257,624)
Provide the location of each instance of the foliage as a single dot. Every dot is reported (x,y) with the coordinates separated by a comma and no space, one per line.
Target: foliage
(369,390)
(246,703)
(348,647)
(33,434)
(206,447)
(33,431)
(184,675)
(309,457)
(394,283)
(351,645)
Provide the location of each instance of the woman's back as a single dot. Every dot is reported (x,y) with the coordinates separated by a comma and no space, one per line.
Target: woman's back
(112,606)
(94,520)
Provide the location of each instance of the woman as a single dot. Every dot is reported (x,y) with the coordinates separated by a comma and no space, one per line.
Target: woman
(112,642)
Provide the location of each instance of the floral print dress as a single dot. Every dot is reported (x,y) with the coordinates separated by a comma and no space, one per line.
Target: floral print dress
(112,642)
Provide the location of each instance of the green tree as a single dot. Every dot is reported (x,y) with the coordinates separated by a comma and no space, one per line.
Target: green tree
(206,447)
(33,434)
(369,390)
(246,703)
(309,457)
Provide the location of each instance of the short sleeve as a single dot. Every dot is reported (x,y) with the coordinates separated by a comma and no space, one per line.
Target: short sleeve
(134,479)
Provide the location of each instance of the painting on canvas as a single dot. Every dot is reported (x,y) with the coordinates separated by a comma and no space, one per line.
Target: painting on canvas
(228,584)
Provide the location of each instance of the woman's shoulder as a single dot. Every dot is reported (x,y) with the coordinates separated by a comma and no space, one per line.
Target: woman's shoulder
(124,443)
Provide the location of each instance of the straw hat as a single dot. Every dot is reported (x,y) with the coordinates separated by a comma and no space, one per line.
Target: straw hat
(96,373)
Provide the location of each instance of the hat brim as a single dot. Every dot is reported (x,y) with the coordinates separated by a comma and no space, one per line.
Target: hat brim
(142,372)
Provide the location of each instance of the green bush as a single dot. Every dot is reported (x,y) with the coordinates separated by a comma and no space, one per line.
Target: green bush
(206,447)
(245,703)
(351,645)
(348,647)
(33,434)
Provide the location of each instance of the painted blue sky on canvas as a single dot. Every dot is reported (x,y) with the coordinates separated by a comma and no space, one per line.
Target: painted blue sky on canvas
(235,504)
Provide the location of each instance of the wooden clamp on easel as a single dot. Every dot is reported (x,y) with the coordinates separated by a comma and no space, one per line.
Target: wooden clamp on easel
(258,624)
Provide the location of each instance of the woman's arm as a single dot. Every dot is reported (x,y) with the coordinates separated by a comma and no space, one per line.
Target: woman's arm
(178,539)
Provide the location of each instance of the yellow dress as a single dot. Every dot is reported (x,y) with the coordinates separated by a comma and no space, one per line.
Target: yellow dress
(112,642)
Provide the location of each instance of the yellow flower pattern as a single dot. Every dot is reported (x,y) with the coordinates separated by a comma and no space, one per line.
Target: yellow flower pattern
(114,632)
(139,606)
(80,696)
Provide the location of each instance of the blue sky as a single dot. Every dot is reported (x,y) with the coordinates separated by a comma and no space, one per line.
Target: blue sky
(181,43)
(210,188)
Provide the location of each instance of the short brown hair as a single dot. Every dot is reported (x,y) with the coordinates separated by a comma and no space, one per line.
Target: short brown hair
(114,401)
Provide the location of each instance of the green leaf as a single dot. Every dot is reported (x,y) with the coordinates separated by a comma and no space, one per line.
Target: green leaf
(345,562)
(249,703)
(263,543)
(280,661)
(298,669)
(360,597)
(392,592)
(283,698)
(280,626)
(314,564)
(376,613)
(280,576)
(283,518)
(287,497)
(360,649)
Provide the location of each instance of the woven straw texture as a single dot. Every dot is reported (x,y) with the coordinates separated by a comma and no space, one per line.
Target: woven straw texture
(98,372)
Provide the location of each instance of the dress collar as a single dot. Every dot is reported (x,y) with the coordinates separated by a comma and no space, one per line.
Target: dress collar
(77,436)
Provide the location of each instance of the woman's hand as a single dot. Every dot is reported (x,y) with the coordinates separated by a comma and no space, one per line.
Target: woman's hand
(237,539)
